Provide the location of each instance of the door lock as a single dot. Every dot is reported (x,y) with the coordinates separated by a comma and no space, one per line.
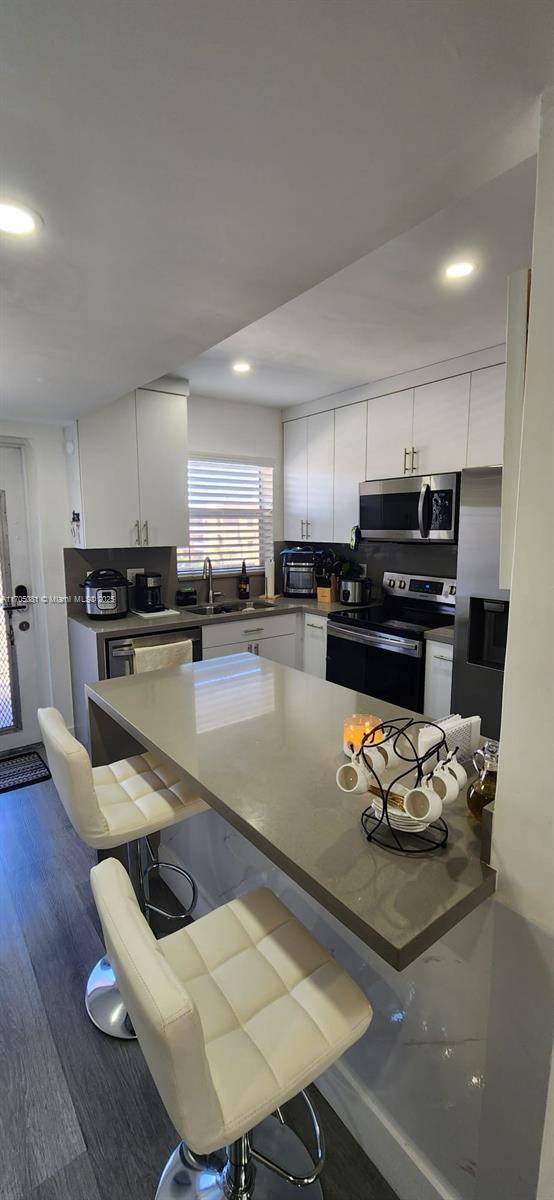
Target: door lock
(24,626)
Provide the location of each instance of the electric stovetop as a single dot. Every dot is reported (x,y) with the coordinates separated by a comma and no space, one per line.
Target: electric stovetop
(379,619)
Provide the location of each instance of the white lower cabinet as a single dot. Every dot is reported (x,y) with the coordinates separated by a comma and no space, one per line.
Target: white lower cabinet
(314,648)
(281,649)
(438,679)
(272,637)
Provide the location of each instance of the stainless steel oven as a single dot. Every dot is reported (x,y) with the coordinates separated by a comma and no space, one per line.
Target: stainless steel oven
(421,508)
(380,650)
(388,666)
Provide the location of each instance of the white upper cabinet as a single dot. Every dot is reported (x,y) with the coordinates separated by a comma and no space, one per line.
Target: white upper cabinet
(133,463)
(389,435)
(162,467)
(485,443)
(295,448)
(308,482)
(321,434)
(431,429)
(109,475)
(349,467)
(441,414)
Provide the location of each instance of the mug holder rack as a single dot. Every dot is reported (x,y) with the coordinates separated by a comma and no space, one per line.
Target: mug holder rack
(379,829)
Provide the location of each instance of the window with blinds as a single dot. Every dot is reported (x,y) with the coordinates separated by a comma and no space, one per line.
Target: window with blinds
(230,515)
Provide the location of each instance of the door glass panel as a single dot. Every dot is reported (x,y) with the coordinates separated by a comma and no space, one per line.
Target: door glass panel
(442,509)
(8,672)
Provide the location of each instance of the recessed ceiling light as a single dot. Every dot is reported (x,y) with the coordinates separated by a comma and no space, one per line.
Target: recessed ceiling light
(459,270)
(241,367)
(17,219)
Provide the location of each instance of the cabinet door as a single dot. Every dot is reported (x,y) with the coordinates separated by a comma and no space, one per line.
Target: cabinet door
(295,466)
(441,412)
(321,437)
(223,651)
(109,475)
(315,646)
(349,468)
(487,399)
(281,649)
(162,467)
(438,680)
(389,434)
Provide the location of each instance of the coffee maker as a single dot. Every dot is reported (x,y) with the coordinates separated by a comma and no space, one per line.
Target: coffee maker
(148,592)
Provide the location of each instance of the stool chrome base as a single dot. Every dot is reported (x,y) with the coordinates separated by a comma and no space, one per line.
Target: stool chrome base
(104,1004)
(182,1181)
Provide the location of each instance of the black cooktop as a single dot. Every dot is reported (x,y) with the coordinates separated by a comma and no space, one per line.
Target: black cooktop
(379,619)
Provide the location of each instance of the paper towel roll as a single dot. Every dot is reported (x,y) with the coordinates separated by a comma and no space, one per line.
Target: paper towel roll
(270,576)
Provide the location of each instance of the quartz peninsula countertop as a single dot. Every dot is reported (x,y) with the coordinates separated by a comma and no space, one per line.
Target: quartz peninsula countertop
(261,743)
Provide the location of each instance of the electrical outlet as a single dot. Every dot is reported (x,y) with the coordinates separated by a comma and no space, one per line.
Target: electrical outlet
(131,574)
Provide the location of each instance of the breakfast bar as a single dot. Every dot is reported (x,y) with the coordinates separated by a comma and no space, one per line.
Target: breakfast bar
(261,743)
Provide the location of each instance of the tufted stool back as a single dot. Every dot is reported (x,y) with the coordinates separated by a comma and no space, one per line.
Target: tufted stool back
(163,1014)
(71,771)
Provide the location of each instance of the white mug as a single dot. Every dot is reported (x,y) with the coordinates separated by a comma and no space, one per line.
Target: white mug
(353,776)
(423,803)
(445,784)
(374,758)
(392,759)
(451,763)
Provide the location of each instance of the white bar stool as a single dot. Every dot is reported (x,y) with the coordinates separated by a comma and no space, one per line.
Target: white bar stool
(108,806)
(235,1014)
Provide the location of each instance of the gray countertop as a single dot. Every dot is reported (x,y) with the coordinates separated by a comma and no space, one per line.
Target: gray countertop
(262,742)
(132,625)
(444,634)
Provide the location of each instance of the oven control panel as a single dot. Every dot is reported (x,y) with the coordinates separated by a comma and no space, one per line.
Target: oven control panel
(420,587)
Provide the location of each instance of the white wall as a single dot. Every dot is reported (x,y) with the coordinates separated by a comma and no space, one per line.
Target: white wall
(247,430)
(525,783)
(48,517)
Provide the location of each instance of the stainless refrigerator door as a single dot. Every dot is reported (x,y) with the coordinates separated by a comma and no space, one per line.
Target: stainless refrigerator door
(477,688)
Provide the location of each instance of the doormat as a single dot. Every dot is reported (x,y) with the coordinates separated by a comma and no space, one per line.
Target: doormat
(22,770)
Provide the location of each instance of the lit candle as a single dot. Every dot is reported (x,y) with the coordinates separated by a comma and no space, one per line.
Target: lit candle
(355,729)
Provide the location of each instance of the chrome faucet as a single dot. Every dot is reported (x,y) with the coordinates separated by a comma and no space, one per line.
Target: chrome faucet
(207,573)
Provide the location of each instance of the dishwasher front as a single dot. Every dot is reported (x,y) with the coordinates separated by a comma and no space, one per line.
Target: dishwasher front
(120,652)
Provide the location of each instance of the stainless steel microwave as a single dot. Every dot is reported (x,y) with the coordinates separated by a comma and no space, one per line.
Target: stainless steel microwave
(420,508)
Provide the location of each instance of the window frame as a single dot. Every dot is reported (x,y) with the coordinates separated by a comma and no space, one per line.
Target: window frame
(255,460)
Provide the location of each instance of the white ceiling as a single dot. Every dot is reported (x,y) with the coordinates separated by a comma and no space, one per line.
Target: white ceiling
(198,163)
(389,312)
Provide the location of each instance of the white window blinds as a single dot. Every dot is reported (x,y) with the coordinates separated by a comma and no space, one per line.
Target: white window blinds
(230,515)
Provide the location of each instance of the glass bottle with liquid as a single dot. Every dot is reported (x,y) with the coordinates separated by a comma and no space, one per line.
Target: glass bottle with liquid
(483,789)
(244,584)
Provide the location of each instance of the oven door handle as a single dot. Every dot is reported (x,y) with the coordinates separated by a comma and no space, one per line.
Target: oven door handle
(380,641)
(422,517)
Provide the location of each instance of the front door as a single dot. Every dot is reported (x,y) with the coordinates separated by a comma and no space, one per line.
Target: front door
(18,620)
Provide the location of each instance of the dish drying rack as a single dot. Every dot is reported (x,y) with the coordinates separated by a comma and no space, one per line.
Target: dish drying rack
(402,732)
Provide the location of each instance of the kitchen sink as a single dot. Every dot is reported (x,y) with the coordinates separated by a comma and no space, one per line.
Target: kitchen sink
(229,606)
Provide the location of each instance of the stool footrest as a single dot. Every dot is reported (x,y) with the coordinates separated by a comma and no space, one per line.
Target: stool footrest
(162,912)
(318,1163)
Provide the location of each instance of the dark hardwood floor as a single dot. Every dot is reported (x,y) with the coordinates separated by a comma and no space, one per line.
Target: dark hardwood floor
(80,1118)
